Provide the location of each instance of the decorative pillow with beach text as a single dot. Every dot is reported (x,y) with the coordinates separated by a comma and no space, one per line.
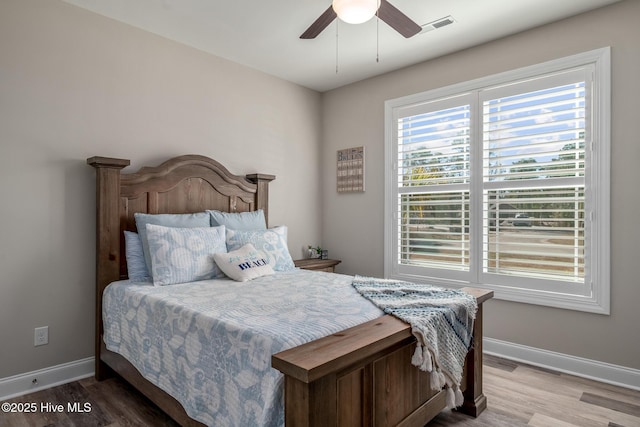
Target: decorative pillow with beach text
(244,264)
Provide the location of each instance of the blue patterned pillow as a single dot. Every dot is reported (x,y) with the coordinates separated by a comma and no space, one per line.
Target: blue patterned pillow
(253,220)
(180,255)
(200,219)
(272,242)
(136,267)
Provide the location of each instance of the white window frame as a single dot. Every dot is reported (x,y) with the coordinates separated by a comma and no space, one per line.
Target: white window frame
(595,295)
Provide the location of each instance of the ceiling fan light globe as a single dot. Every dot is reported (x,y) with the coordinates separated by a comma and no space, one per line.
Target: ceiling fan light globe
(355,11)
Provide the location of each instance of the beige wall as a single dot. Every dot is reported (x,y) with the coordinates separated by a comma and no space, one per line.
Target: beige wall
(74,84)
(353,223)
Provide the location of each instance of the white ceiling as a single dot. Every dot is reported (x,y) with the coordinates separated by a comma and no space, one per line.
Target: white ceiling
(264,34)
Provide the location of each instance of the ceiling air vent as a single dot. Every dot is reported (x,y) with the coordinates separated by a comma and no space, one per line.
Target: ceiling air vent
(438,23)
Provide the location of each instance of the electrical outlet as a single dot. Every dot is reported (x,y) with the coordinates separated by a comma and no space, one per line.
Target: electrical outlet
(41,336)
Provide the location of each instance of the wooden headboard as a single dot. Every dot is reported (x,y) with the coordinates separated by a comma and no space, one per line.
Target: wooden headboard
(184,184)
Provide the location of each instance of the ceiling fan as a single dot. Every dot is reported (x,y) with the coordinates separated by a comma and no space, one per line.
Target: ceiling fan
(359,11)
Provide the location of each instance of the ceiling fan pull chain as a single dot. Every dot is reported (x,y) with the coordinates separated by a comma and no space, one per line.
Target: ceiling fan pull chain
(377,37)
(337,24)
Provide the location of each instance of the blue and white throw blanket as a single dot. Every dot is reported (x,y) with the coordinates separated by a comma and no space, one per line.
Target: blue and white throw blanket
(441,320)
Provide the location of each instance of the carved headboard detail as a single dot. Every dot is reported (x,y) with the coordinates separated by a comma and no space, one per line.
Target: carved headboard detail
(183,184)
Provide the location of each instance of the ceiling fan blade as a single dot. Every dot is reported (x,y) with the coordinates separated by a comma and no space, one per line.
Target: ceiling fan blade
(397,20)
(320,24)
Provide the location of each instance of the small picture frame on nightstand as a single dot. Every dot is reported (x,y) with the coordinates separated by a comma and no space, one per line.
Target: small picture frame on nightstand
(325,254)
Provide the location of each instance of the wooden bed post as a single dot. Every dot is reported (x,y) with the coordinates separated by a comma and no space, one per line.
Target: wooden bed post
(474,399)
(262,193)
(107,238)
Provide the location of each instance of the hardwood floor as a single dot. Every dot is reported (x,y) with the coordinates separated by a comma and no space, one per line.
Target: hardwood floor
(518,395)
(524,395)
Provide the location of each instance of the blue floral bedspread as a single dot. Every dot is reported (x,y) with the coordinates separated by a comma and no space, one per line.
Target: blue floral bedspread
(209,343)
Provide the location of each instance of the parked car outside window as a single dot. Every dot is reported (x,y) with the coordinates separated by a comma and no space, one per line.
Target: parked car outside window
(522,220)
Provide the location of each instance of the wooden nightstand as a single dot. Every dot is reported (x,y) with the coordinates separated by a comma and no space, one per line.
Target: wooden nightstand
(317,264)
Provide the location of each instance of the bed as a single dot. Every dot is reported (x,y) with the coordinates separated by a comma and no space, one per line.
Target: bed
(357,376)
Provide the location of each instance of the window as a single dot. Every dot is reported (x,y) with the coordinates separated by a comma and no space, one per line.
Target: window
(502,183)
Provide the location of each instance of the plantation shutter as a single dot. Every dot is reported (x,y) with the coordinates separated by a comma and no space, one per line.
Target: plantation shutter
(433,144)
(533,179)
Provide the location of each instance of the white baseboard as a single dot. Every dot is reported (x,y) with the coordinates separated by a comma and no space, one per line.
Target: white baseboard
(29,382)
(578,366)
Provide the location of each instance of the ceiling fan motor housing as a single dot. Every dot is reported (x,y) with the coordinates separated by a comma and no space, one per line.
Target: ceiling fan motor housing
(355,11)
(359,11)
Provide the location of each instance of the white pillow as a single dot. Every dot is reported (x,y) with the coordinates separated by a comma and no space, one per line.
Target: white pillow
(180,255)
(243,264)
